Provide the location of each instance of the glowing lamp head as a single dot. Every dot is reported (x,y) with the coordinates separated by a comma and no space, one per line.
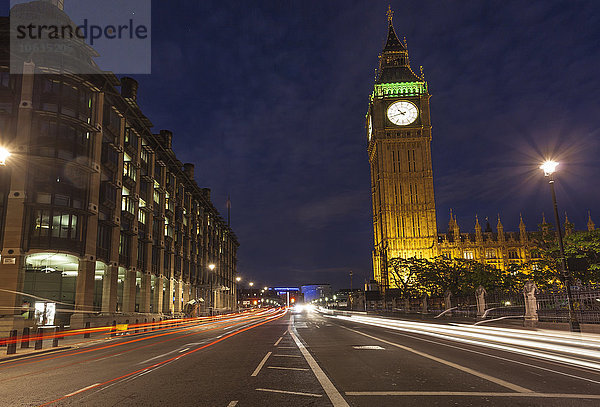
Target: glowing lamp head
(211,266)
(549,167)
(238,279)
(251,284)
(4,154)
(265,288)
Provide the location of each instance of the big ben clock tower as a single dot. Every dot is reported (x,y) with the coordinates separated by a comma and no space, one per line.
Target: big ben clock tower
(399,147)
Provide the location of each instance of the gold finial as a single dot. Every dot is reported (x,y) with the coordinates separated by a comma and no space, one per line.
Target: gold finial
(390,14)
(422,74)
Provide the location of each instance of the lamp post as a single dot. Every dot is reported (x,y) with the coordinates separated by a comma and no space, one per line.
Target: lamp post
(211,267)
(237,292)
(549,168)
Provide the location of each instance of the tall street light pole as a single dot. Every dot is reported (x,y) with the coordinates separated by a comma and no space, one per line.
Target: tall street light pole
(237,292)
(211,267)
(549,168)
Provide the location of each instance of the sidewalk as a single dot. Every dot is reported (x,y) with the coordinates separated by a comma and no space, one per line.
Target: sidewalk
(69,342)
(70,339)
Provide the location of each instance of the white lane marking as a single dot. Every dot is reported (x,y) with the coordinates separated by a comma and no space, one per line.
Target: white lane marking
(278,340)
(368,347)
(289,356)
(291,392)
(183,350)
(261,364)
(81,390)
(287,347)
(334,395)
(232,403)
(496,357)
(465,369)
(156,357)
(287,368)
(471,394)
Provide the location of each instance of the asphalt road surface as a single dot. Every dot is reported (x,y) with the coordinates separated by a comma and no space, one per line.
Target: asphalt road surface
(307,358)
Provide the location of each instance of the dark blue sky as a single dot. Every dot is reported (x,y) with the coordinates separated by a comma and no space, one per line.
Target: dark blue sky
(269,101)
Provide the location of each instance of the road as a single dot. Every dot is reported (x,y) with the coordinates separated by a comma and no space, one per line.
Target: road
(291,358)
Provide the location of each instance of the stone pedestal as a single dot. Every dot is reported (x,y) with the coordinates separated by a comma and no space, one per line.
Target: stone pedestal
(531,314)
(480,296)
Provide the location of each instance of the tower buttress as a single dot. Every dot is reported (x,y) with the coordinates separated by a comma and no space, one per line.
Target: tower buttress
(522,230)
(478,235)
(568,225)
(500,230)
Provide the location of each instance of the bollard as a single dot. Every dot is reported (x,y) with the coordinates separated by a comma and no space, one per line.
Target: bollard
(113,330)
(39,340)
(55,338)
(25,338)
(136,326)
(86,334)
(62,330)
(11,347)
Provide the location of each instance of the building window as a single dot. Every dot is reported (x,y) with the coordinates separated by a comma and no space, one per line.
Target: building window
(129,168)
(142,217)
(58,224)
(127,203)
(490,253)
(513,254)
(468,255)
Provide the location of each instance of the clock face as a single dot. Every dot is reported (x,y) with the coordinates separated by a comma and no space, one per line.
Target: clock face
(402,113)
(370,127)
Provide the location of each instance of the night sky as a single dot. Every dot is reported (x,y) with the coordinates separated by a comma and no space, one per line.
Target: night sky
(268,101)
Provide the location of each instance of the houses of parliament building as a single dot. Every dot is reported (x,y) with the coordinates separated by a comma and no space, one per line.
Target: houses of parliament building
(398,126)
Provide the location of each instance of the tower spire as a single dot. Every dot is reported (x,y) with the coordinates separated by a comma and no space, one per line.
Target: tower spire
(590,224)
(394,65)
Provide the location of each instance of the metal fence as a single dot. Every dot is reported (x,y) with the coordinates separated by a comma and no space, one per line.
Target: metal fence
(553,304)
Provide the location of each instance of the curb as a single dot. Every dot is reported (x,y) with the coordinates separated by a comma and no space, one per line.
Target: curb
(57,349)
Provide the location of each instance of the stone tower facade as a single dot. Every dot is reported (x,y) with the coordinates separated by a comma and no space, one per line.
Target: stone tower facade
(399,148)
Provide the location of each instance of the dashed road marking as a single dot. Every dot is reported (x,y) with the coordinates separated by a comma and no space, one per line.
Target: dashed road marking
(289,356)
(82,390)
(232,403)
(260,365)
(287,368)
(278,340)
(298,393)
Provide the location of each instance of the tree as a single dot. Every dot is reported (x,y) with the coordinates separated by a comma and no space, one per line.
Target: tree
(582,252)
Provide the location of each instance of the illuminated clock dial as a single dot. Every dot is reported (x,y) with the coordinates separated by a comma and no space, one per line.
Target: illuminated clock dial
(369,127)
(402,113)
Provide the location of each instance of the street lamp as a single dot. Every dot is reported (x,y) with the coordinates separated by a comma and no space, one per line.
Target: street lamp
(549,168)
(211,267)
(4,154)
(237,293)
